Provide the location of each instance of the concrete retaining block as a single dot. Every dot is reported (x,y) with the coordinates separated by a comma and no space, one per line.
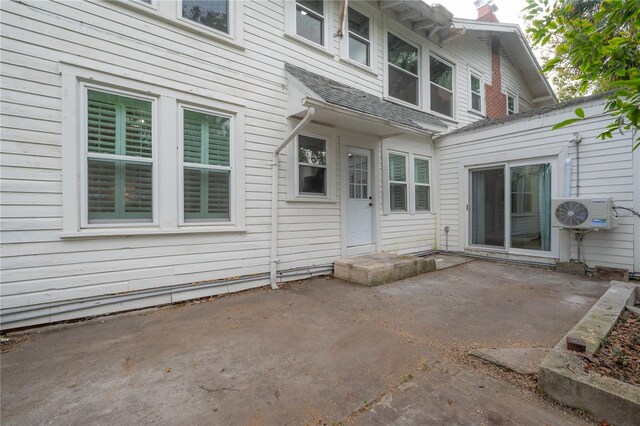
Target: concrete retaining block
(381,268)
(562,374)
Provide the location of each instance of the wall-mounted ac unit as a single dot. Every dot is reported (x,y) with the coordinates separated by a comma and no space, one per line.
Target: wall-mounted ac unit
(583,213)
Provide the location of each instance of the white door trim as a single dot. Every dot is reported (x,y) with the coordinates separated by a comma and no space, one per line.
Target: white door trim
(349,139)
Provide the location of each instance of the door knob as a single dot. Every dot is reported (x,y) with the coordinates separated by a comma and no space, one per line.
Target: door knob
(370,204)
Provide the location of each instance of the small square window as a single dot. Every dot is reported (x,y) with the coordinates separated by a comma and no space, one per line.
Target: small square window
(312,166)
(211,13)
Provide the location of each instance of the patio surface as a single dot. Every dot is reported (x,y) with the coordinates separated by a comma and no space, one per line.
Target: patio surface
(318,352)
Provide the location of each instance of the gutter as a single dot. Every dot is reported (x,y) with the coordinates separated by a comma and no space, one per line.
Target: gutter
(274,193)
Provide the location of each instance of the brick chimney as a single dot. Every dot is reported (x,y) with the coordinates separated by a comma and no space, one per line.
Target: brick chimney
(496,101)
(485,11)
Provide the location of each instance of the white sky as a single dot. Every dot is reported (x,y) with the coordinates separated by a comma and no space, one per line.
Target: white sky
(509,11)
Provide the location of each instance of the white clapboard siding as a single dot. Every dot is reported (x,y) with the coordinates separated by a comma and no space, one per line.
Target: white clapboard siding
(606,170)
(41,267)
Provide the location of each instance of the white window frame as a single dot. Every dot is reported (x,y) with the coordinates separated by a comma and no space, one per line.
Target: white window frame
(329,136)
(386,69)
(171,12)
(414,184)
(344,42)
(407,182)
(473,73)
(317,166)
(85,155)
(165,148)
(453,86)
(327,26)
(516,102)
(231,167)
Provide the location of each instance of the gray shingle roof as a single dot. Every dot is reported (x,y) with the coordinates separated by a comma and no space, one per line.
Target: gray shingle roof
(344,96)
(488,122)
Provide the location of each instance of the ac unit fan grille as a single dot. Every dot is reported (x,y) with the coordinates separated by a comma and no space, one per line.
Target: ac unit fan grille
(571,213)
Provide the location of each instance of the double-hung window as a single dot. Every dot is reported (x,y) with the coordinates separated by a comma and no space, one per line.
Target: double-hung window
(397,182)
(422,187)
(359,38)
(475,88)
(441,79)
(210,13)
(403,76)
(119,158)
(206,166)
(310,20)
(512,103)
(312,166)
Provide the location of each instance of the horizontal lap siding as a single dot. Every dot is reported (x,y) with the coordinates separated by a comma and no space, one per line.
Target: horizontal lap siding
(606,170)
(39,267)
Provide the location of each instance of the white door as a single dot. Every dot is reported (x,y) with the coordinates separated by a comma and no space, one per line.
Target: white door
(359,198)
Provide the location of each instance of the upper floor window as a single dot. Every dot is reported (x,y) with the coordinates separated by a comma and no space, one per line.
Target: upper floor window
(441,80)
(207,167)
(211,13)
(403,65)
(119,158)
(359,38)
(310,20)
(312,166)
(512,103)
(475,89)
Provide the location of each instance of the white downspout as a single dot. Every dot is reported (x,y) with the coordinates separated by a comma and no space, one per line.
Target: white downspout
(274,193)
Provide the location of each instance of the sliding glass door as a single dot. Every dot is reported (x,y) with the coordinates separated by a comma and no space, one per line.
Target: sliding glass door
(510,207)
(487,207)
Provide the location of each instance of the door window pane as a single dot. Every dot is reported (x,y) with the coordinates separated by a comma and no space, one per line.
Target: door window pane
(531,207)
(358,176)
(487,207)
(212,13)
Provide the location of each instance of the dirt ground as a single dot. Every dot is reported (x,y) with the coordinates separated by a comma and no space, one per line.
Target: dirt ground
(318,352)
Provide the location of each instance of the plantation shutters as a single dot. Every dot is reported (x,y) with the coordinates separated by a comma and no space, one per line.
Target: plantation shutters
(207,170)
(397,182)
(119,158)
(421,182)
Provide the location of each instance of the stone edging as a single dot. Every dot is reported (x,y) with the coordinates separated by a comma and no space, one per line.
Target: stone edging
(563,377)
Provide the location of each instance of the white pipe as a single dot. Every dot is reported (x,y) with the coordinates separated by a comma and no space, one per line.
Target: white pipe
(568,166)
(274,193)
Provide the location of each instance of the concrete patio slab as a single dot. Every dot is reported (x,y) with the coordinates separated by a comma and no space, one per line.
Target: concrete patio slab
(520,360)
(319,351)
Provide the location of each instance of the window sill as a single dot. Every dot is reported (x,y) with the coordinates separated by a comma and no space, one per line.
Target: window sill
(402,103)
(311,200)
(476,113)
(183,24)
(130,232)
(306,43)
(358,66)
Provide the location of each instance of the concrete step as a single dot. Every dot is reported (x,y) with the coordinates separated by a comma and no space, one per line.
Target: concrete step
(381,268)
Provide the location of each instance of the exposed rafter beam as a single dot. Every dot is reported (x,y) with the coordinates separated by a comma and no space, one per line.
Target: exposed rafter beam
(388,4)
(403,16)
(427,24)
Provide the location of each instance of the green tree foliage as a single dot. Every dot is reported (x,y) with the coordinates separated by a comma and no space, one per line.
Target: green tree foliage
(596,44)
